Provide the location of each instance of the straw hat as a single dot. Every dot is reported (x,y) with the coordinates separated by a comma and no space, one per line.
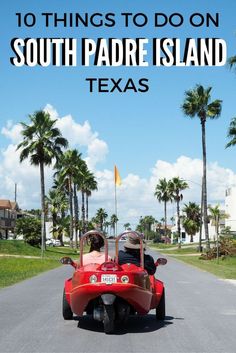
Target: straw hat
(133,241)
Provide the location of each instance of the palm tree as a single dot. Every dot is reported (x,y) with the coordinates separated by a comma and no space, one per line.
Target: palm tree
(163,194)
(126,225)
(190,227)
(88,184)
(58,204)
(197,103)
(215,216)
(141,226)
(176,186)
(78,185)
(62,227)
(162,220)
(68,169)
(42,142)
(113,222)
(232,133)
(101,215)
(147,222)
(106,226)
(95,221)
(172,219)
(191,219)
(232,61)
(52,203)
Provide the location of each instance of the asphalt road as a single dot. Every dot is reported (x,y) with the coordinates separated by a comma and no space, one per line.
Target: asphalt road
(201,317)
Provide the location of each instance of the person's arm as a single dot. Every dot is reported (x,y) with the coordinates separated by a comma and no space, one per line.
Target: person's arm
(121,259)
(149,264)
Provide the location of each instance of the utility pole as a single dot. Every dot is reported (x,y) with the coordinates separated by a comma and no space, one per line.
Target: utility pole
(15,192)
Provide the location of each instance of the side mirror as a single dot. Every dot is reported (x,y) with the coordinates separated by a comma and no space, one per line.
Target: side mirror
(161,261)
(68,261)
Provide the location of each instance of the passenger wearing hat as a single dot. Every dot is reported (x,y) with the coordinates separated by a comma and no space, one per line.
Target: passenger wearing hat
(131,254)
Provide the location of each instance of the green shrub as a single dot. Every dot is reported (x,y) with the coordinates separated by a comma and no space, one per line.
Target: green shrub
(30,228)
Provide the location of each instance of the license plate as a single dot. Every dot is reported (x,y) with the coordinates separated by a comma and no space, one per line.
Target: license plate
(109,279)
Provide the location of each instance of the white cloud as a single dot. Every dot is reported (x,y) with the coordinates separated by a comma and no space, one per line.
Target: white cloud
(81,135)
(27,176)
(24,175)
(52,111)
(77,135)
(97,151)
(13,132)
(218,178)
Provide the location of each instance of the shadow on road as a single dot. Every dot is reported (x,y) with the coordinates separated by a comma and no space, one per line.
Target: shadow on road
(135,324)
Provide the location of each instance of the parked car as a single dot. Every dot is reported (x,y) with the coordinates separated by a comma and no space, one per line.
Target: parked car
(110,237)
(53,242)
(49,242)
(57,242)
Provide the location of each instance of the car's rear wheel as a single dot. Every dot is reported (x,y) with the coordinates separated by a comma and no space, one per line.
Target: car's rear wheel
(66,310)
(109,317)
(161,308)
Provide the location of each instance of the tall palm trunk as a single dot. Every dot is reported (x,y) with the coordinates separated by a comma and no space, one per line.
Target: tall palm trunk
(217,238)
(71,211)
(201,215)
(165,216)
(60,237)
(43,235)
(204,185)
(178,222)
(54,222)
(83,211)
(191,238)
(101,224)
(76,215)
(86,196)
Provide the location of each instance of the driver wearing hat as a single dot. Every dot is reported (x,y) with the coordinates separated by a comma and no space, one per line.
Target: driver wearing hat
(131,254)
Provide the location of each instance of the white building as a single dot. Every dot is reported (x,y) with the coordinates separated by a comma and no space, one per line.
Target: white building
(186,238)
(230,208)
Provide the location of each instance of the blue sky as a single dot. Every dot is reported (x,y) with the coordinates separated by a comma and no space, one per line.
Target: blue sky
(138,128)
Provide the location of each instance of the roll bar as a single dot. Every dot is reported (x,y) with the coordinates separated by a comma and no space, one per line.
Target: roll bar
(85,236)
(141,245)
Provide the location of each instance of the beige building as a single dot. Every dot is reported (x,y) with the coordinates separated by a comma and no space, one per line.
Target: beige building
(8,216)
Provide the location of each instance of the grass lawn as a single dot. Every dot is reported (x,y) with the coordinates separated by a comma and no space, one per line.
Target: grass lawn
(161,246)
(225,269)
(182,251)
(18,247)
(17,269)
(173,249)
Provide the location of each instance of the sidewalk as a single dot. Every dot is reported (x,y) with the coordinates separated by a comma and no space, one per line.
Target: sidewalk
(23,256)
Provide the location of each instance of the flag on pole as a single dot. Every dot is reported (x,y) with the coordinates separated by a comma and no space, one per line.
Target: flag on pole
(117,177)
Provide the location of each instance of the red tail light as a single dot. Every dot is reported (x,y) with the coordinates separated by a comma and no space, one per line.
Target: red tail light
(110,266)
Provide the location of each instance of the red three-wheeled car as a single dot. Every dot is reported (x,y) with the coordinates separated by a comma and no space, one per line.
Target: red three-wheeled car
(109,291)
